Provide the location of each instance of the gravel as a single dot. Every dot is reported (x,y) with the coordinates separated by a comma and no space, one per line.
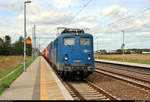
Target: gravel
(118,88)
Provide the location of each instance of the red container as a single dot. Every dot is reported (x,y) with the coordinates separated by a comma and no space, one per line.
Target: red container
(47,52)
(44,52)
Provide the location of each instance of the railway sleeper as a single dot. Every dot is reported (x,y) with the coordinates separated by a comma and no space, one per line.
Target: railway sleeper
(93,96)
(89,93)
(96,98)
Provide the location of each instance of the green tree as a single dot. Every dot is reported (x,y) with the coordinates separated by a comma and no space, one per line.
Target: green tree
(8,40)
(119,51)
(1,43)
(1,46)
(19,46)
(7,45)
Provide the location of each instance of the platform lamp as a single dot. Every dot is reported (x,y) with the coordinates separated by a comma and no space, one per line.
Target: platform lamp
(25,34)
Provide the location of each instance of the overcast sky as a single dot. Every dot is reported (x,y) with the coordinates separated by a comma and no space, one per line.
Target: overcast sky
(104,18)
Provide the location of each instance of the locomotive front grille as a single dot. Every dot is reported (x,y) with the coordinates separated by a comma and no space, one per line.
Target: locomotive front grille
(78,67)
(75,68)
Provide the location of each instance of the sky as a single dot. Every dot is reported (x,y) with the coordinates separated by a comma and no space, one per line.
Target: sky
(105,20)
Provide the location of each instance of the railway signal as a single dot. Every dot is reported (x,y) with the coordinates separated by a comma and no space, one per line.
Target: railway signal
(28,41)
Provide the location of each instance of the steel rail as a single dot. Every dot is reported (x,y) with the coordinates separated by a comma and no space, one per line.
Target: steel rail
(102,91)
(133,69)
(127,65)
(112,75)
(75,91)
(95,91)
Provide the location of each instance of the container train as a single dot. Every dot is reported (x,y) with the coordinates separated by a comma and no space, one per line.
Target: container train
(71,54)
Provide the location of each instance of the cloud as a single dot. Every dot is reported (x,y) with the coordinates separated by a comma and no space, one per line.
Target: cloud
(13,5)
(88,19)
(64,3)
(143,34)
(138,22)
(50,14)
(50,17)
(115,11)
(42,16)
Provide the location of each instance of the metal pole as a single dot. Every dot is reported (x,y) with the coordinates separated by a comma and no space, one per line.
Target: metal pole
(97,48)
(39,44)
(24,37)
(25,34)
(32,44)
(123,46)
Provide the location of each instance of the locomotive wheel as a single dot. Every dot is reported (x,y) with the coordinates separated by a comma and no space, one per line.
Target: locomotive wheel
(61,73)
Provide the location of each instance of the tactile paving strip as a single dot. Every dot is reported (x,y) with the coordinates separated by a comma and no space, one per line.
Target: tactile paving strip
(49,88)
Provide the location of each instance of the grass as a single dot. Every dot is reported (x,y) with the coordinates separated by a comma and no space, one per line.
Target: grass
(10,63)
(5,83)
(134,58)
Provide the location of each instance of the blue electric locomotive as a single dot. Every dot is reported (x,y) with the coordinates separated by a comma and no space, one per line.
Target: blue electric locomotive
(71,53)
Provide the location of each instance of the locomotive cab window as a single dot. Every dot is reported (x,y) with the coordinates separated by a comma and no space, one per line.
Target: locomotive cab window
(69,41)
(84,41)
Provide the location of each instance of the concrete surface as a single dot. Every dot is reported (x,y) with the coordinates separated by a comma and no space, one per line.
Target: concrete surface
(39,82)
(126,63)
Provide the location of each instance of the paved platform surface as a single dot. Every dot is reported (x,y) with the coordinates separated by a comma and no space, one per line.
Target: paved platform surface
(126,63)
(39,82)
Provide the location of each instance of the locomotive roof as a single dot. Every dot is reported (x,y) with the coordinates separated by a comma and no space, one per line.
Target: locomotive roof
(72,31)
(72,35)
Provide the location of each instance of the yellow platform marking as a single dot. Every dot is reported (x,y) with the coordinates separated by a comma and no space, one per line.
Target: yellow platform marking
(43,88)
(48,86)
(59,97)
(54,94)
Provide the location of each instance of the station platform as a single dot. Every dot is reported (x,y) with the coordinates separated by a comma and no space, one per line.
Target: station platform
(39,82)
(125,63)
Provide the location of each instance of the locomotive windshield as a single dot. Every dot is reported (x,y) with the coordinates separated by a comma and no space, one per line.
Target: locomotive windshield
(69,41)
(84,41)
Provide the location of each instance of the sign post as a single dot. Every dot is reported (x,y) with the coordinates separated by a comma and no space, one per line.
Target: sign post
(122,47)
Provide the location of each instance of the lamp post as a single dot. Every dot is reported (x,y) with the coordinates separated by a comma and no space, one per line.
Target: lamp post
(123,45)
(25,34)
(97,49)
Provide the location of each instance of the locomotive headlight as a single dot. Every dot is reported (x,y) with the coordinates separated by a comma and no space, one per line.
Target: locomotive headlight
(89,58)
(66,58)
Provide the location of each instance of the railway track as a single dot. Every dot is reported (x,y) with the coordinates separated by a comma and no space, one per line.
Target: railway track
(140,83)
(85,90)
(139,70)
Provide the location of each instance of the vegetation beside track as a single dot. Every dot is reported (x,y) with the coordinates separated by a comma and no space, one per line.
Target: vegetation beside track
(10,63)
(133,58)
(5,83)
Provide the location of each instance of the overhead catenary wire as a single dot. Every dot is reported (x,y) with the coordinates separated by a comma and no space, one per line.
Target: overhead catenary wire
(121,20)
(127,20)
(68,8)
(81,9)
(77,13)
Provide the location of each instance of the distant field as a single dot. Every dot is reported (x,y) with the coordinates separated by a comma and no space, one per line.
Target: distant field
(134,58)
(8,63)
